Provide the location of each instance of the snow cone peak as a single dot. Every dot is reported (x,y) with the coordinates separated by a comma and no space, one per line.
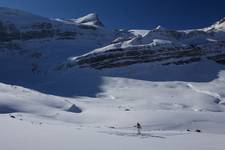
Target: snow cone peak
(91,18)
(218,26)
(159,27)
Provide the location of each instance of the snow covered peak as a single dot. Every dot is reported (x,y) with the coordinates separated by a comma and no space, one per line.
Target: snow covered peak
(88,18)
(91,19)
(159,28)
(218,26)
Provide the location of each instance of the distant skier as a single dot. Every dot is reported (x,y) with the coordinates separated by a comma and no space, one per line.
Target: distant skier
(139,127)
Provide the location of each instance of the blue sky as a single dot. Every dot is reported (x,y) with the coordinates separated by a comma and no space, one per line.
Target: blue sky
(145,14)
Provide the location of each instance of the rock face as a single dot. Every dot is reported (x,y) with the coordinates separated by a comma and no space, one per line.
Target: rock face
(9,31)
(74,109)
(19,25)
(145,54)
(159,46)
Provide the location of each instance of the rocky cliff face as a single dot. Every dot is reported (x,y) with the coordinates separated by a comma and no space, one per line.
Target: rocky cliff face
(9,31)
(159,46)
(19,25)
(146,54)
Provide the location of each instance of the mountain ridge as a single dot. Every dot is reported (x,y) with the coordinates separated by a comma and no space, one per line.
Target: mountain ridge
(66,54)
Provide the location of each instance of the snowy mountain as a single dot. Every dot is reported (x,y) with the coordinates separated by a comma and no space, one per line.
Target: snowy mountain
(159,45)
(112,48)
(19,25)
(217,27)
(88,20)
(69,82)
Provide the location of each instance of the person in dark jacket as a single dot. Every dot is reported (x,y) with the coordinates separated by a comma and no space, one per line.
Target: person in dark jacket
(139,127)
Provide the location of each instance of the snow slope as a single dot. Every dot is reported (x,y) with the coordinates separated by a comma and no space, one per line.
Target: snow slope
(67,137)
(190,102)
(165,109)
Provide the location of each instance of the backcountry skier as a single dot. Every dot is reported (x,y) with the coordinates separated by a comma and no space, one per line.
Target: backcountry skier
(139,127)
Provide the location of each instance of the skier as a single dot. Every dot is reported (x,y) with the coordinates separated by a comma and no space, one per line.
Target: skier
(138,126)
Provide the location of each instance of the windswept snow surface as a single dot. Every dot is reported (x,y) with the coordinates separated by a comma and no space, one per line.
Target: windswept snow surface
(165,110)
(21,135)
